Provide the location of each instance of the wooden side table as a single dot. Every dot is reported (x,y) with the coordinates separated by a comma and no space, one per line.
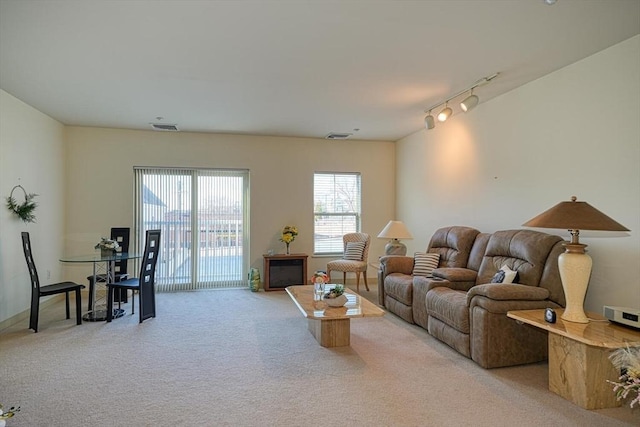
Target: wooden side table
(579,362)
(283,270)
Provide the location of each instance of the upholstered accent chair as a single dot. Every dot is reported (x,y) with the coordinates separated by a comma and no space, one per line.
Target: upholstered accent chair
(354,260)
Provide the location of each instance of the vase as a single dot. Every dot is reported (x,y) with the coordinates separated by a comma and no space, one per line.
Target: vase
(254,280)
(106,253)
(287,248)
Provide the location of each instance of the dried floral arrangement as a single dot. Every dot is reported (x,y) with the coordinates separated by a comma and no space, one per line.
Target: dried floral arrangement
(627,360)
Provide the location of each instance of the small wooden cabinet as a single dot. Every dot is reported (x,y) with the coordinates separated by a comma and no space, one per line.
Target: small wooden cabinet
(283,270)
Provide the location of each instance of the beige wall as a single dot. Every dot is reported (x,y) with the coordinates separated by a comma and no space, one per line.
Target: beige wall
(100,182)
(573,132)
(32,155)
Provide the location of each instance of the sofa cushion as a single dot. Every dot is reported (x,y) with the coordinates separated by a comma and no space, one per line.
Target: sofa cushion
(399,287)
(424,263)
(526,251)
(453,244)
(450,307)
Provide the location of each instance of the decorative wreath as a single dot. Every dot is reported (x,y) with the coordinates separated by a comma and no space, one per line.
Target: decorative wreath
(25,210)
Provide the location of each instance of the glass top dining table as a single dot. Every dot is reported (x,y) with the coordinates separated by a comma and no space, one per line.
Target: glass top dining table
(103,272)
(97,257)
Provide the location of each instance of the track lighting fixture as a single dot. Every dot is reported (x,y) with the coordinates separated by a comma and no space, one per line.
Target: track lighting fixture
(444,114)
(429,121)
(466,105)
(469,102)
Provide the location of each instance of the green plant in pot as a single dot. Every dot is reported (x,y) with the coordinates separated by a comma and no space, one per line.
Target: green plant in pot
(335,297)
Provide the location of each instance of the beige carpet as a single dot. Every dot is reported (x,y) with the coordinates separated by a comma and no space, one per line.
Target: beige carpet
(237,358)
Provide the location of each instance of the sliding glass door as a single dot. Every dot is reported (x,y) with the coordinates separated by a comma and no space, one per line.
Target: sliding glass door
(203,215)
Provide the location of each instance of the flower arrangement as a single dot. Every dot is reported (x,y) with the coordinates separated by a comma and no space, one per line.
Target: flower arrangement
(319,277)
(289,234)
(107,244)
(8,414)
(627,360)
(24,210)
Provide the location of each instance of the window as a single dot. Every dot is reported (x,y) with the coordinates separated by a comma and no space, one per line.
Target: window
(336,210)
(202,213)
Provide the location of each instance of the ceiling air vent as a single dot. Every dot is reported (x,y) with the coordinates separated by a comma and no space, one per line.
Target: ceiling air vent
(162,126)
(334,135)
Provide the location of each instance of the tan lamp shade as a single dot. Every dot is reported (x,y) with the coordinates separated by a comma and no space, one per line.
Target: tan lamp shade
(395,230)
(575,215)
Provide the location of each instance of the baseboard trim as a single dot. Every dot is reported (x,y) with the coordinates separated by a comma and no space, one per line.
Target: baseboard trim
(23,316)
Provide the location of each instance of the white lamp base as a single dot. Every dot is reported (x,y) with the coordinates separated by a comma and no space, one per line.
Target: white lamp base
(395,247)
(575,269)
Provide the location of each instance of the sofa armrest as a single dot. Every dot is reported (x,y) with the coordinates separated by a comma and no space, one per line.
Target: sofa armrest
(509,291)
(392,264)
(453,274)
(500,297)
(458,279)
(396,264)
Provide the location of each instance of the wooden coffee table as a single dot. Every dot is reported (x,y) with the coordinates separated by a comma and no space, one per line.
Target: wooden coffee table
(579,362)
(331,326)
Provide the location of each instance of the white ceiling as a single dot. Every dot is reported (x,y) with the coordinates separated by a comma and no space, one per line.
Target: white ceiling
(287,67)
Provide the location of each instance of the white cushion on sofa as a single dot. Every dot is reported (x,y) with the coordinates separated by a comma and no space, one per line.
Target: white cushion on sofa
(504,275)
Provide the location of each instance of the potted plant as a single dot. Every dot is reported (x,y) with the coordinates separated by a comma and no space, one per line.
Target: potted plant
(335,297)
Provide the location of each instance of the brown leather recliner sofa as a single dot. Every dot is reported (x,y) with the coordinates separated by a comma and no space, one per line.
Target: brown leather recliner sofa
(459,306)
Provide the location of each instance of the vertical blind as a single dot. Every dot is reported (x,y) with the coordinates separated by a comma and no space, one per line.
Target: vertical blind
(336,209)
(202,214)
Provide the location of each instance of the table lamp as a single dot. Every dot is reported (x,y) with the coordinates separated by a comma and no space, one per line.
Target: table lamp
(574,264)
(395,230)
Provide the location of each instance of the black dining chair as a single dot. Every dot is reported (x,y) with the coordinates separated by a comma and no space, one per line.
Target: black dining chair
(144,284)
(38,291)
(122,236)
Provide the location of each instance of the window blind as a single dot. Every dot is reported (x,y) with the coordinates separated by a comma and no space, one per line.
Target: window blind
(336,198)
(202,214)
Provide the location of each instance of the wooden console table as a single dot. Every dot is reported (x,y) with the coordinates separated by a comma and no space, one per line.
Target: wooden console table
(283,270)
(579,362)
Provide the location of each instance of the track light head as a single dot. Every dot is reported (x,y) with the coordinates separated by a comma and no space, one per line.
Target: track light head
(444,114)
(469,102)
(429,121)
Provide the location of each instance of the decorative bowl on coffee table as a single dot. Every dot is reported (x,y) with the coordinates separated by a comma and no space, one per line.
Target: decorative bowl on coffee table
(338,301)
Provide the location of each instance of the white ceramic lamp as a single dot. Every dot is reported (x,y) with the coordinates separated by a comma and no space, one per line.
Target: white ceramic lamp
(395,230)
(574,264)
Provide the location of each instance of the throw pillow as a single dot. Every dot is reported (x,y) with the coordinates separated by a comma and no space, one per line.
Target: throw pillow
(424,263)
(354,251)
(505,275)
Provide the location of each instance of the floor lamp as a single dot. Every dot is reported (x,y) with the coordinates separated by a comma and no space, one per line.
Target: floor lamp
(574,264)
